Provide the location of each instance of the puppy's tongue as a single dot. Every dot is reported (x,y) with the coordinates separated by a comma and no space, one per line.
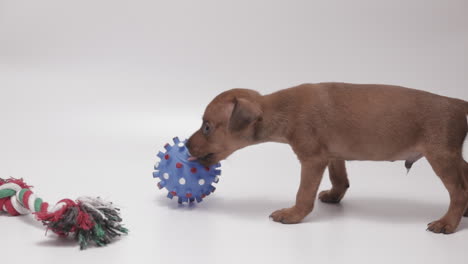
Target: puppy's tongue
(191,158)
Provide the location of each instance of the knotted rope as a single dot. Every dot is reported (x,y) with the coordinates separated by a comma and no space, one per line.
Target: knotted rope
(87,219)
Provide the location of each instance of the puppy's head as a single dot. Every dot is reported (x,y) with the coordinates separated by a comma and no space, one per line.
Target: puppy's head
(228,124)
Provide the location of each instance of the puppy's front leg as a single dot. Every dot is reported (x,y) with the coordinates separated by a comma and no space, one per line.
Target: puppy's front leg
(311,175)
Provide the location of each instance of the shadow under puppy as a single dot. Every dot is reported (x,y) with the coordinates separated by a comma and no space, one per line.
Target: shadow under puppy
(327,124)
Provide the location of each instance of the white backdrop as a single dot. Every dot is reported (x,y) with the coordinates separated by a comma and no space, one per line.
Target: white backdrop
(91,90)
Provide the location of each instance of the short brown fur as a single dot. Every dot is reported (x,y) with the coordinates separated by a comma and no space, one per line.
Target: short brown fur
(327,124)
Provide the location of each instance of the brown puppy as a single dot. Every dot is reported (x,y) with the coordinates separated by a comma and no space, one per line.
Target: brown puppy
(329,123)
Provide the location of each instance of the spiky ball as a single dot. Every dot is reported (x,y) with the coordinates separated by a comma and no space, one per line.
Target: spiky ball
(188,180)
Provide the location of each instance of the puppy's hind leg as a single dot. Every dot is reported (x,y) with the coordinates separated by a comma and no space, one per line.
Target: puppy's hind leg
(339,180)
(465,176)
(465,165)
(450,166)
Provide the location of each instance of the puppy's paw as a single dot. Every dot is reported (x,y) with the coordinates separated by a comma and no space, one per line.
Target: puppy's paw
(288,216)
(441,226)
(330,197)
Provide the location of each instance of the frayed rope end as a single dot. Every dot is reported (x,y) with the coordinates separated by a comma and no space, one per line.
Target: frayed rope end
(88,220)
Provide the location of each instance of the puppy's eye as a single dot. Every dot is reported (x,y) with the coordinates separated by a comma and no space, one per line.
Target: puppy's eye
(206,129)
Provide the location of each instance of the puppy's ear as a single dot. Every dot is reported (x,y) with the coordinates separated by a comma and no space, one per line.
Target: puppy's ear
(243,114)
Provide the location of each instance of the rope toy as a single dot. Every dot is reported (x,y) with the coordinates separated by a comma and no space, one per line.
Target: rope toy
(188,180)
(86,219)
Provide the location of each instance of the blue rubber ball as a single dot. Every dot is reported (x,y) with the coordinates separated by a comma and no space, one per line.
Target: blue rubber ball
(188,180)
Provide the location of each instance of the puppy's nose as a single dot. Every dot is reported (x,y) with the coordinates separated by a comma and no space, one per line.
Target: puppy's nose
(189,148)
(191,158)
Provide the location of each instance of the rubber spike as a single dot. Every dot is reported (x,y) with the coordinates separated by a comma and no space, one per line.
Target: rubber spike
(160,155)
(167,147)
(212,188)
(155,174)
(161,184)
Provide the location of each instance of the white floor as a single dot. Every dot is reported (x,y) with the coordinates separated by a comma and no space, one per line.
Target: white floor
(382,219)
(90,91)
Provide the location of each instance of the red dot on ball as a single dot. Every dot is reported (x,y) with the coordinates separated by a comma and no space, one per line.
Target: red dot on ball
(207,168)
(173,193)
(166,157)
(203,196)
(178,165)
(188,195)
(193,170)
